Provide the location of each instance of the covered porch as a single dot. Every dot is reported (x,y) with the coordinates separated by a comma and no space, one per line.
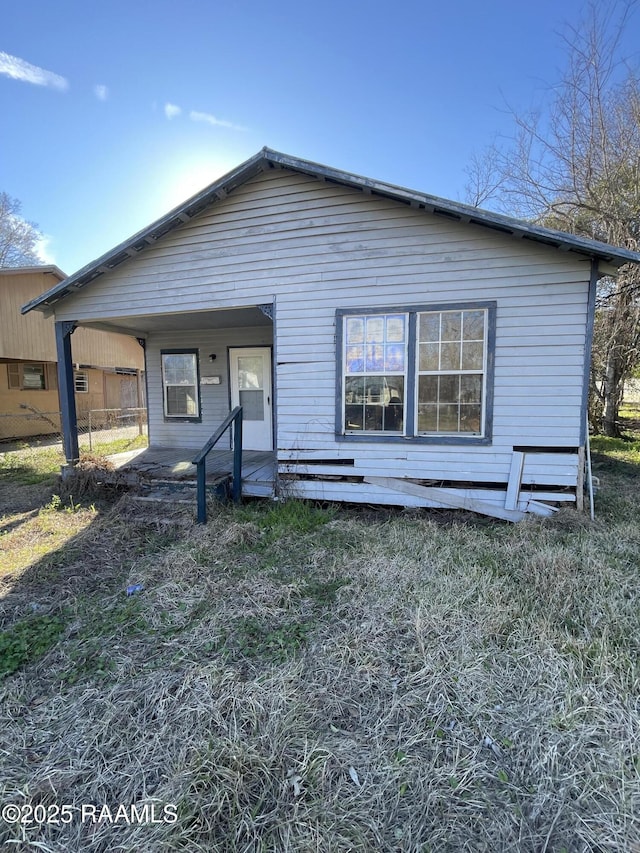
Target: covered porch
(199,366)
(173,468)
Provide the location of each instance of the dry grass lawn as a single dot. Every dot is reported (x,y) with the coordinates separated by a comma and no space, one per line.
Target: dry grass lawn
(298,678)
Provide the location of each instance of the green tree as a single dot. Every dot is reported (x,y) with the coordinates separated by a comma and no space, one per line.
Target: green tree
(574,164)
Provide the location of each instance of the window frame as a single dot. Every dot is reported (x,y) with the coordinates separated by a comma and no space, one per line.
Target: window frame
(48,372)
(412,375)
(367,375)
(84,376)
(181,418)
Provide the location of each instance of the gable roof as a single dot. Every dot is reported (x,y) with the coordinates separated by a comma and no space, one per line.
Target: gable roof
(269,159)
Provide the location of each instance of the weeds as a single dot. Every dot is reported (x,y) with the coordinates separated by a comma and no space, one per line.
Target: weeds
(27,641)
(296,677)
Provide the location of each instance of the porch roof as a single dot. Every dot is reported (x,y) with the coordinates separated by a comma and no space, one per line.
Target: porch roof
(269,159)
(219,318)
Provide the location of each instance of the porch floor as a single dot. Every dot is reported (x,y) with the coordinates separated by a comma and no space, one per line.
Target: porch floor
(174,464)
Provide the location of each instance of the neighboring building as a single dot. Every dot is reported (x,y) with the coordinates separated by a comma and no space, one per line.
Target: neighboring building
(108,367)
(389,346)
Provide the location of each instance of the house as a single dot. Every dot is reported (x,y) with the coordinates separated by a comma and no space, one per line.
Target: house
(107,369)
(386,346)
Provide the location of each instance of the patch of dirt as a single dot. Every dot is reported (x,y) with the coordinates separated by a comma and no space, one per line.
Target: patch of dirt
(18,497)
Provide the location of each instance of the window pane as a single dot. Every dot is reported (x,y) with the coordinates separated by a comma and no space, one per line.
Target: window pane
(427,419)
(374,389)
(182,400)
(448,418)
(179,368)
(354,417)
(374,403)
(354,389)
(395,328)
(250,374)
(470,389)
(355,359)
(394,359)
(373,418)
(451,326)
(473,325)
(428,389)
(375,330)
(355,330)
(393,416)
(394,390)
(429,356)
(429,327)
(472,355)
(449,389)
(450,357)
(449,404)
(33,377)
(375,357)
(470,418)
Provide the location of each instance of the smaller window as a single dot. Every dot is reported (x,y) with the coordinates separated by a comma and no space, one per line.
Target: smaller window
(32,376)
(81,382)
(180,384)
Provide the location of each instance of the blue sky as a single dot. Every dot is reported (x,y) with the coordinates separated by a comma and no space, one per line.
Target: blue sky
(113,113)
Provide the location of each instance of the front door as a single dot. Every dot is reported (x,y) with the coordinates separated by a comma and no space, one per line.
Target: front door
(250,369)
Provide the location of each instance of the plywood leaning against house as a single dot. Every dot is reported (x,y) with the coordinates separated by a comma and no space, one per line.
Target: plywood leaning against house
(304,259)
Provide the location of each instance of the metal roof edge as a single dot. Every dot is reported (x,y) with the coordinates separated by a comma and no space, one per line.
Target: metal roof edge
(251,167)
(46,268)
(476,215)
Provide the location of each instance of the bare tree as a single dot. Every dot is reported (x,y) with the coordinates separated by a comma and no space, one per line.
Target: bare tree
(575,165)
(18,238)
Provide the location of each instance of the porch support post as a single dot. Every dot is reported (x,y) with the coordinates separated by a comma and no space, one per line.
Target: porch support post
(66,390)
(237,459)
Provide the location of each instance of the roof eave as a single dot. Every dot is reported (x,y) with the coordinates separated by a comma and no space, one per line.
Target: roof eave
(51,269)
(270,158)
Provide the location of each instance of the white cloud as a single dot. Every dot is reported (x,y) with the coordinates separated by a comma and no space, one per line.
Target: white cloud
(44,250)
(18,69)
(101,92)
(171,110)
(212,120)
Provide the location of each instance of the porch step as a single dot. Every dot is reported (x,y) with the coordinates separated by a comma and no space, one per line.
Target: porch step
(162,499)
(181,491)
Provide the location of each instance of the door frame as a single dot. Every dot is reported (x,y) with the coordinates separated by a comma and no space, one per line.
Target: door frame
(271,405)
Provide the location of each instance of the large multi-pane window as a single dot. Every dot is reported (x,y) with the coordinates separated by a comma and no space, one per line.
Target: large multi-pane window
(451,369)
(375,368)
(180,384)
(420,373)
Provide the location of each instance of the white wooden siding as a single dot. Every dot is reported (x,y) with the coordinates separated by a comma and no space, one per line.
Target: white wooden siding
(214,398)
(316,247)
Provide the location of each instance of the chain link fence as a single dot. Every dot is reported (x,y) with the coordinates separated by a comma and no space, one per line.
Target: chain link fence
(95,427)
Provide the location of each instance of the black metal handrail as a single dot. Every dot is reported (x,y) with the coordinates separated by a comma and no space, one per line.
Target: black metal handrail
(235,418)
